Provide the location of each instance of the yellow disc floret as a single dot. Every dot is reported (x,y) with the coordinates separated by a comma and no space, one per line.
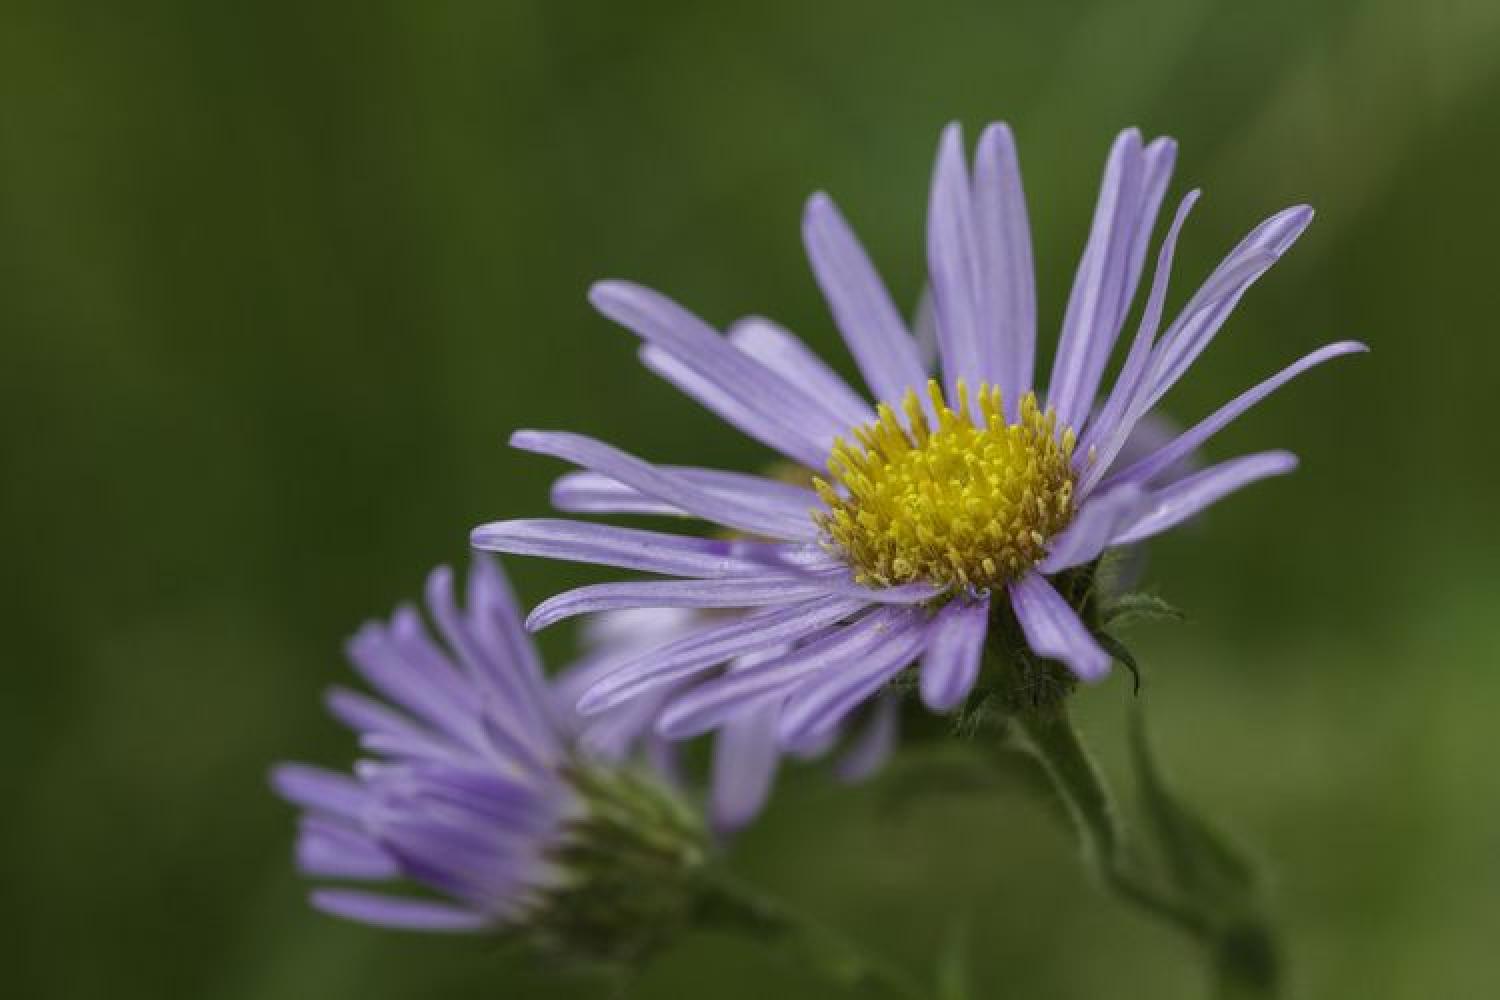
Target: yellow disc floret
(959,501)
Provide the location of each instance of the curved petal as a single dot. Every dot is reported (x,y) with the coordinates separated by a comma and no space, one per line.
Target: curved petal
(862,308)
(1186,497)
(1195,329)
(1054,630)
(954,654)
(1151,467)
(735,592)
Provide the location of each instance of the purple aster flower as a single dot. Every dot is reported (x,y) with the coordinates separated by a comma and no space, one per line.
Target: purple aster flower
(951,507)
(475,789)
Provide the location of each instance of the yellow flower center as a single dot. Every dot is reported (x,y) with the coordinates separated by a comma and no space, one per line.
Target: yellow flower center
(967,502)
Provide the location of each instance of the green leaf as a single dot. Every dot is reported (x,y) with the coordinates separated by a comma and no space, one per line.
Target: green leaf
(1114,647)
(1139,606)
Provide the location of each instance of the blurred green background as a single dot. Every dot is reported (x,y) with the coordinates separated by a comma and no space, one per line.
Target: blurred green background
(277,280)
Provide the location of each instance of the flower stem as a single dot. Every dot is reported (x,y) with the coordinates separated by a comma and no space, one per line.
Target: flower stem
(729,904)
(1239,946)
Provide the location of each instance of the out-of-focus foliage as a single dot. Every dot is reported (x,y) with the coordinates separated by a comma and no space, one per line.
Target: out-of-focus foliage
(276,281)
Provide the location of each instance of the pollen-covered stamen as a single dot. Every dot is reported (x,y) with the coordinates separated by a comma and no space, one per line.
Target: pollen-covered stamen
(966,500)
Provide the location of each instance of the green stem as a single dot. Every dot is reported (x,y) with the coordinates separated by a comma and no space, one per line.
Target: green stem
(1240,948)
(730,904)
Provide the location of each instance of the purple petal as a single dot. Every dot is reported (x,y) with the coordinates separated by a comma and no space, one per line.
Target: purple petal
(1186,497)
(796,443)
(953,655)
(1195,329)
(329,850)
(320,789)
(396,912)
(1150,468)
(591,493)
(1095,526)
(737,592)
(823,701)
(364,714)
(710,703)
(784,353)
(1007,281)
(749,511)
(660,321)
(953,268)
(649,670)
(494,616)
(627,548)
(871,326)
(1108,432)
(1090,322)
(1054,630)
(874,744)
(744,766)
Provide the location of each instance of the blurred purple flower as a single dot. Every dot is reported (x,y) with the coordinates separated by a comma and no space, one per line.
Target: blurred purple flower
(470,788)
(934,508)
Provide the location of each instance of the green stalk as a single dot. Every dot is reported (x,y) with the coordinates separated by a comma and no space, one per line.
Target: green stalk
(731,905)
(1240,948)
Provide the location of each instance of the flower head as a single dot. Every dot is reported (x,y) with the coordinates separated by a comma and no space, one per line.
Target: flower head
(945,510)
(476,790)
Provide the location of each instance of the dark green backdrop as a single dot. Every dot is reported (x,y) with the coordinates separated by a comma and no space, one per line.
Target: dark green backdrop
(277,279)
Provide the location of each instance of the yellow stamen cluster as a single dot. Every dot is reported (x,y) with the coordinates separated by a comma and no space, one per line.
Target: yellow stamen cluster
(968,502)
